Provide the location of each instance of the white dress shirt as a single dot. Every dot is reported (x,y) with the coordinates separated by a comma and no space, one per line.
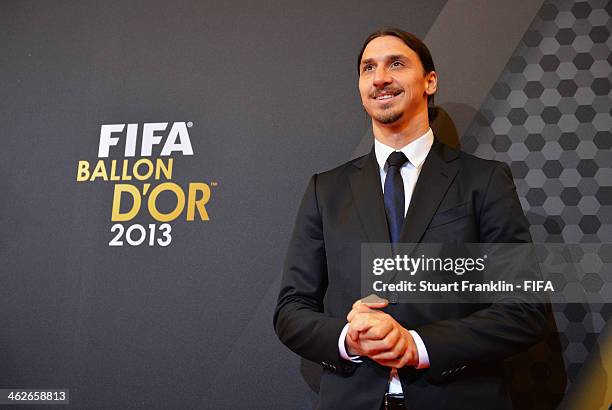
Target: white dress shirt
(416,152)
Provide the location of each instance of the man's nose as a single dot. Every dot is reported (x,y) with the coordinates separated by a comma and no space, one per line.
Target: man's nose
(381,77)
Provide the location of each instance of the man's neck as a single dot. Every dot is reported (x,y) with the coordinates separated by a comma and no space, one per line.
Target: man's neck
(400,135)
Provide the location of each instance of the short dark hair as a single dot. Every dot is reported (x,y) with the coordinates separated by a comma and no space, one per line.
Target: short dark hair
(415,45)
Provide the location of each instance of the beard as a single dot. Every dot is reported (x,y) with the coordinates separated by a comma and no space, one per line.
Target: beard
(388,116)
(387,113)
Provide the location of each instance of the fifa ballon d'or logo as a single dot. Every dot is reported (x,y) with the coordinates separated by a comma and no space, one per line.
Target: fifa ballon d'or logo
(131,199)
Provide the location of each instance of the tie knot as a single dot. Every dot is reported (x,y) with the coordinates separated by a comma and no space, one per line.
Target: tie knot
(397,159)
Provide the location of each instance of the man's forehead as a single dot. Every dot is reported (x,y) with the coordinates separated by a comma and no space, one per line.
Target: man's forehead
(385,47)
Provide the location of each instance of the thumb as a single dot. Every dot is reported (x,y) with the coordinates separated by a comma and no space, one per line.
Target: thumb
(374,302)
(377,305)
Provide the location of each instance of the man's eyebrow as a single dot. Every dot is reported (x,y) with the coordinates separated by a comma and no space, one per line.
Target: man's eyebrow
(367,61)
(395,57)
(392,57)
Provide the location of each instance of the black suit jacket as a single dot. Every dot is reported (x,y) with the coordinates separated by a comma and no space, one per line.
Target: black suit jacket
(458,198)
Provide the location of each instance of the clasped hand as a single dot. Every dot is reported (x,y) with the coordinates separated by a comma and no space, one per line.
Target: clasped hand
(375,334)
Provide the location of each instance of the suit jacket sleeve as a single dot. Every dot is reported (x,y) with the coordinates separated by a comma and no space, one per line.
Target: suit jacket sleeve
(299,319)
(499,330)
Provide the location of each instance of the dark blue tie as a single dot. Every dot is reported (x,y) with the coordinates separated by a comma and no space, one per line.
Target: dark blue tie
(394,194)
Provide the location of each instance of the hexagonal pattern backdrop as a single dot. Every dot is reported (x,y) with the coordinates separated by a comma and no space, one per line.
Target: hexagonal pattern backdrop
(548,116)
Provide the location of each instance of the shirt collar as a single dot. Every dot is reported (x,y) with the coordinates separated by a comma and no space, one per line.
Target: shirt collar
(416,151)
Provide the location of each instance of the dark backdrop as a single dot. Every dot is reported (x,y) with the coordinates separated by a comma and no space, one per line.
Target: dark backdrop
(271,90)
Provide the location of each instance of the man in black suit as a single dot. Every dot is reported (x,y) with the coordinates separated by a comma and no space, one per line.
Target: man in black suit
(411,188)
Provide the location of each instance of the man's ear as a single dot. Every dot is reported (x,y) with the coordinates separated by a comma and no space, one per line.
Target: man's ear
(431,85)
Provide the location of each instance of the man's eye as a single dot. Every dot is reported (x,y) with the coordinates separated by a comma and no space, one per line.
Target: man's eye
(396,64)
(368,67)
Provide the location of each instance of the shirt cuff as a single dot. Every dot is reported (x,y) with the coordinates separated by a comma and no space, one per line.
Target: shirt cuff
(423,356)
(342,346)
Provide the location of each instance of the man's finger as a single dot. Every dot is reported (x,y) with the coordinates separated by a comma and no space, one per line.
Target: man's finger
(351,315)
(360,308)
(394,353)
(352,333)
(380,331)
(352,336)
(362,322)
(372,347)
(356,327)
(379,347)
(409,358)
(388,363)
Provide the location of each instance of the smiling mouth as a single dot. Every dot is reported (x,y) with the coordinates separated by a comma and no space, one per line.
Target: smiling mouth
(387,95)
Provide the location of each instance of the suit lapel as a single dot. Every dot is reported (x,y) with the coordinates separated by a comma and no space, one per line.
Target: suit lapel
(434,180)
(368,197)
